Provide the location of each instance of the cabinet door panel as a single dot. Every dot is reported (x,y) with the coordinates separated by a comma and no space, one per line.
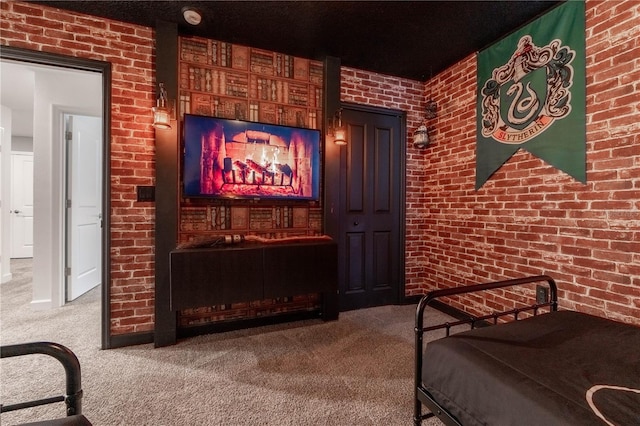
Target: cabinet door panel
(291,270)
(211,277)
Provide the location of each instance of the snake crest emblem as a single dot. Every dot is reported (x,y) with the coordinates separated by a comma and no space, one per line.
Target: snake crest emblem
(527,94)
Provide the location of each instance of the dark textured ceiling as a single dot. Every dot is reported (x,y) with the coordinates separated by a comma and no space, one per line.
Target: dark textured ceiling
(412,39)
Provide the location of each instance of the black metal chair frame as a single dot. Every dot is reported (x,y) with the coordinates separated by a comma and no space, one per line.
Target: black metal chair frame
(73,396)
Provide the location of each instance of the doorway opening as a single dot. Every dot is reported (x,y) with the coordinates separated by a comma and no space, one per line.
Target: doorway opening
(65,90)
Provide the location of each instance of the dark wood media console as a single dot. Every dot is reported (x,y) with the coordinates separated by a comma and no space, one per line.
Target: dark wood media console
(252,271)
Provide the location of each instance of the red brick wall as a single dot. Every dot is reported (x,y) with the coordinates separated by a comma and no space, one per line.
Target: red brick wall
(130,49)
(530,218)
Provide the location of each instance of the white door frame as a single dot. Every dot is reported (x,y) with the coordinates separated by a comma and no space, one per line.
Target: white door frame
(5,193)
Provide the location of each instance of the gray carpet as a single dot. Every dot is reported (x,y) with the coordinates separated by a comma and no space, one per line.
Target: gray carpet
(357,370)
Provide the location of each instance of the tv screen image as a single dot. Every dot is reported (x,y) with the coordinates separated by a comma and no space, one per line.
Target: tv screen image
(227,158)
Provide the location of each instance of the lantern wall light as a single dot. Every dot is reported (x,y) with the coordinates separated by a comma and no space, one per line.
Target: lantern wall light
(163,111)
(338,130)
(421,138)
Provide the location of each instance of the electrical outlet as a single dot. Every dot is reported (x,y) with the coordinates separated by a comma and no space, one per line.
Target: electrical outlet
(542,294)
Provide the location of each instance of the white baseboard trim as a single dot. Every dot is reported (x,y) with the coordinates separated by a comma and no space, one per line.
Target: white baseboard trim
(41,305)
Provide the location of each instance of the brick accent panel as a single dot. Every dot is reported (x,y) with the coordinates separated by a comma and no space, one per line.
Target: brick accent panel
(130,50)
(367,88)
(530,218)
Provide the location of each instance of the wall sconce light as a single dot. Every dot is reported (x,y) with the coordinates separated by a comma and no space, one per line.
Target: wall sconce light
(338,130)
(421,138)
(162,112)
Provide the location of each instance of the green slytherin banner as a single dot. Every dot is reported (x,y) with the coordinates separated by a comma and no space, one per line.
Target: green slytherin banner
(531,95)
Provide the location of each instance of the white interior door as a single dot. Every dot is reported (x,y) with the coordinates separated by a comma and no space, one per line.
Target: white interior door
(21,210)
(84,205)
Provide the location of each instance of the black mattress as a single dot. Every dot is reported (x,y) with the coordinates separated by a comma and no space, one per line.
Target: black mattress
(560,368)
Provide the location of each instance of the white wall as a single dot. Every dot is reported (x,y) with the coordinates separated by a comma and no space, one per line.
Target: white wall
(21,144)
(5,192)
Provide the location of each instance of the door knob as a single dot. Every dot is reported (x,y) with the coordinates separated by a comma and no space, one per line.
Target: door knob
(16,211)
(356,223)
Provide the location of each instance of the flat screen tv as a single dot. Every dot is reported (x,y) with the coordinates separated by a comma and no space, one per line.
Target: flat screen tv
(226,158)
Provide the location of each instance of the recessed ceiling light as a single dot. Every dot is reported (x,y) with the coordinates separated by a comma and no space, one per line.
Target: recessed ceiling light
(191,15)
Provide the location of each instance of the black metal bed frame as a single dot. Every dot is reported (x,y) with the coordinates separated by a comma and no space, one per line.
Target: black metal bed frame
(421,395)
(73,395)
